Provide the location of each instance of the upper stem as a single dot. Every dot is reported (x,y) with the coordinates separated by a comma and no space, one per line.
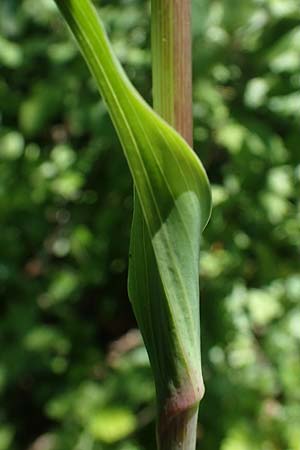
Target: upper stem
(172,63)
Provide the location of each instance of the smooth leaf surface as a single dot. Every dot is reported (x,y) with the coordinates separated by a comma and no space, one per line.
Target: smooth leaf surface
(172,206)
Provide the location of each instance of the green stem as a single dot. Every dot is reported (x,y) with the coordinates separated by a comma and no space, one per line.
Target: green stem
(171,63)
(172,99)
(181,432)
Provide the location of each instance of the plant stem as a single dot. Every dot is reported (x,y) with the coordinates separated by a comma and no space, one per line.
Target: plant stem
(172,63)
(172,99)
(181,432)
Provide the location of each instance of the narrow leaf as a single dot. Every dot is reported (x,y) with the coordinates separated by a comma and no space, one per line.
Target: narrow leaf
(172,207)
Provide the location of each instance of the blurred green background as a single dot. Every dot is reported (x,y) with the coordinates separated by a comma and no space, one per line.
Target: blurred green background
(73,372)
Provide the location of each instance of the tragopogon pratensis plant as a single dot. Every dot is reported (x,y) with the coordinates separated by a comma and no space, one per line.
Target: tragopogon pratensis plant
(172,204)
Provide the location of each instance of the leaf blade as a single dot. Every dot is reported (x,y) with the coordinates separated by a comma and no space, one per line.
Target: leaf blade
(172,207)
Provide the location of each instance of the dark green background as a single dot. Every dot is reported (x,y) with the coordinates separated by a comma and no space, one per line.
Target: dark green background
(71,377)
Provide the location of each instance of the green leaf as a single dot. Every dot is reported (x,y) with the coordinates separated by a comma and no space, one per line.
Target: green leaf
(112,424)
(6,437)
(172,206)
(11,145)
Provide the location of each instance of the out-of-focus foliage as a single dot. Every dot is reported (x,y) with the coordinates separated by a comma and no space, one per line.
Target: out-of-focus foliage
(73,373)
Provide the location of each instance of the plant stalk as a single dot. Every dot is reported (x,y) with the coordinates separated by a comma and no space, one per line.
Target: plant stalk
(172,63)
(172,100)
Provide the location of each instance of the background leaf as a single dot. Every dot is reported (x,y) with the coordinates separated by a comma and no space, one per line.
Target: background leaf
(251,372)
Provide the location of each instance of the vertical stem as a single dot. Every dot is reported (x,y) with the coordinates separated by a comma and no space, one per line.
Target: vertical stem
(172,99)
(181,432)
(171,63)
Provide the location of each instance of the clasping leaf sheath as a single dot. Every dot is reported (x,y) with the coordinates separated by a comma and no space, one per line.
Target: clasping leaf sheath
(171,208)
